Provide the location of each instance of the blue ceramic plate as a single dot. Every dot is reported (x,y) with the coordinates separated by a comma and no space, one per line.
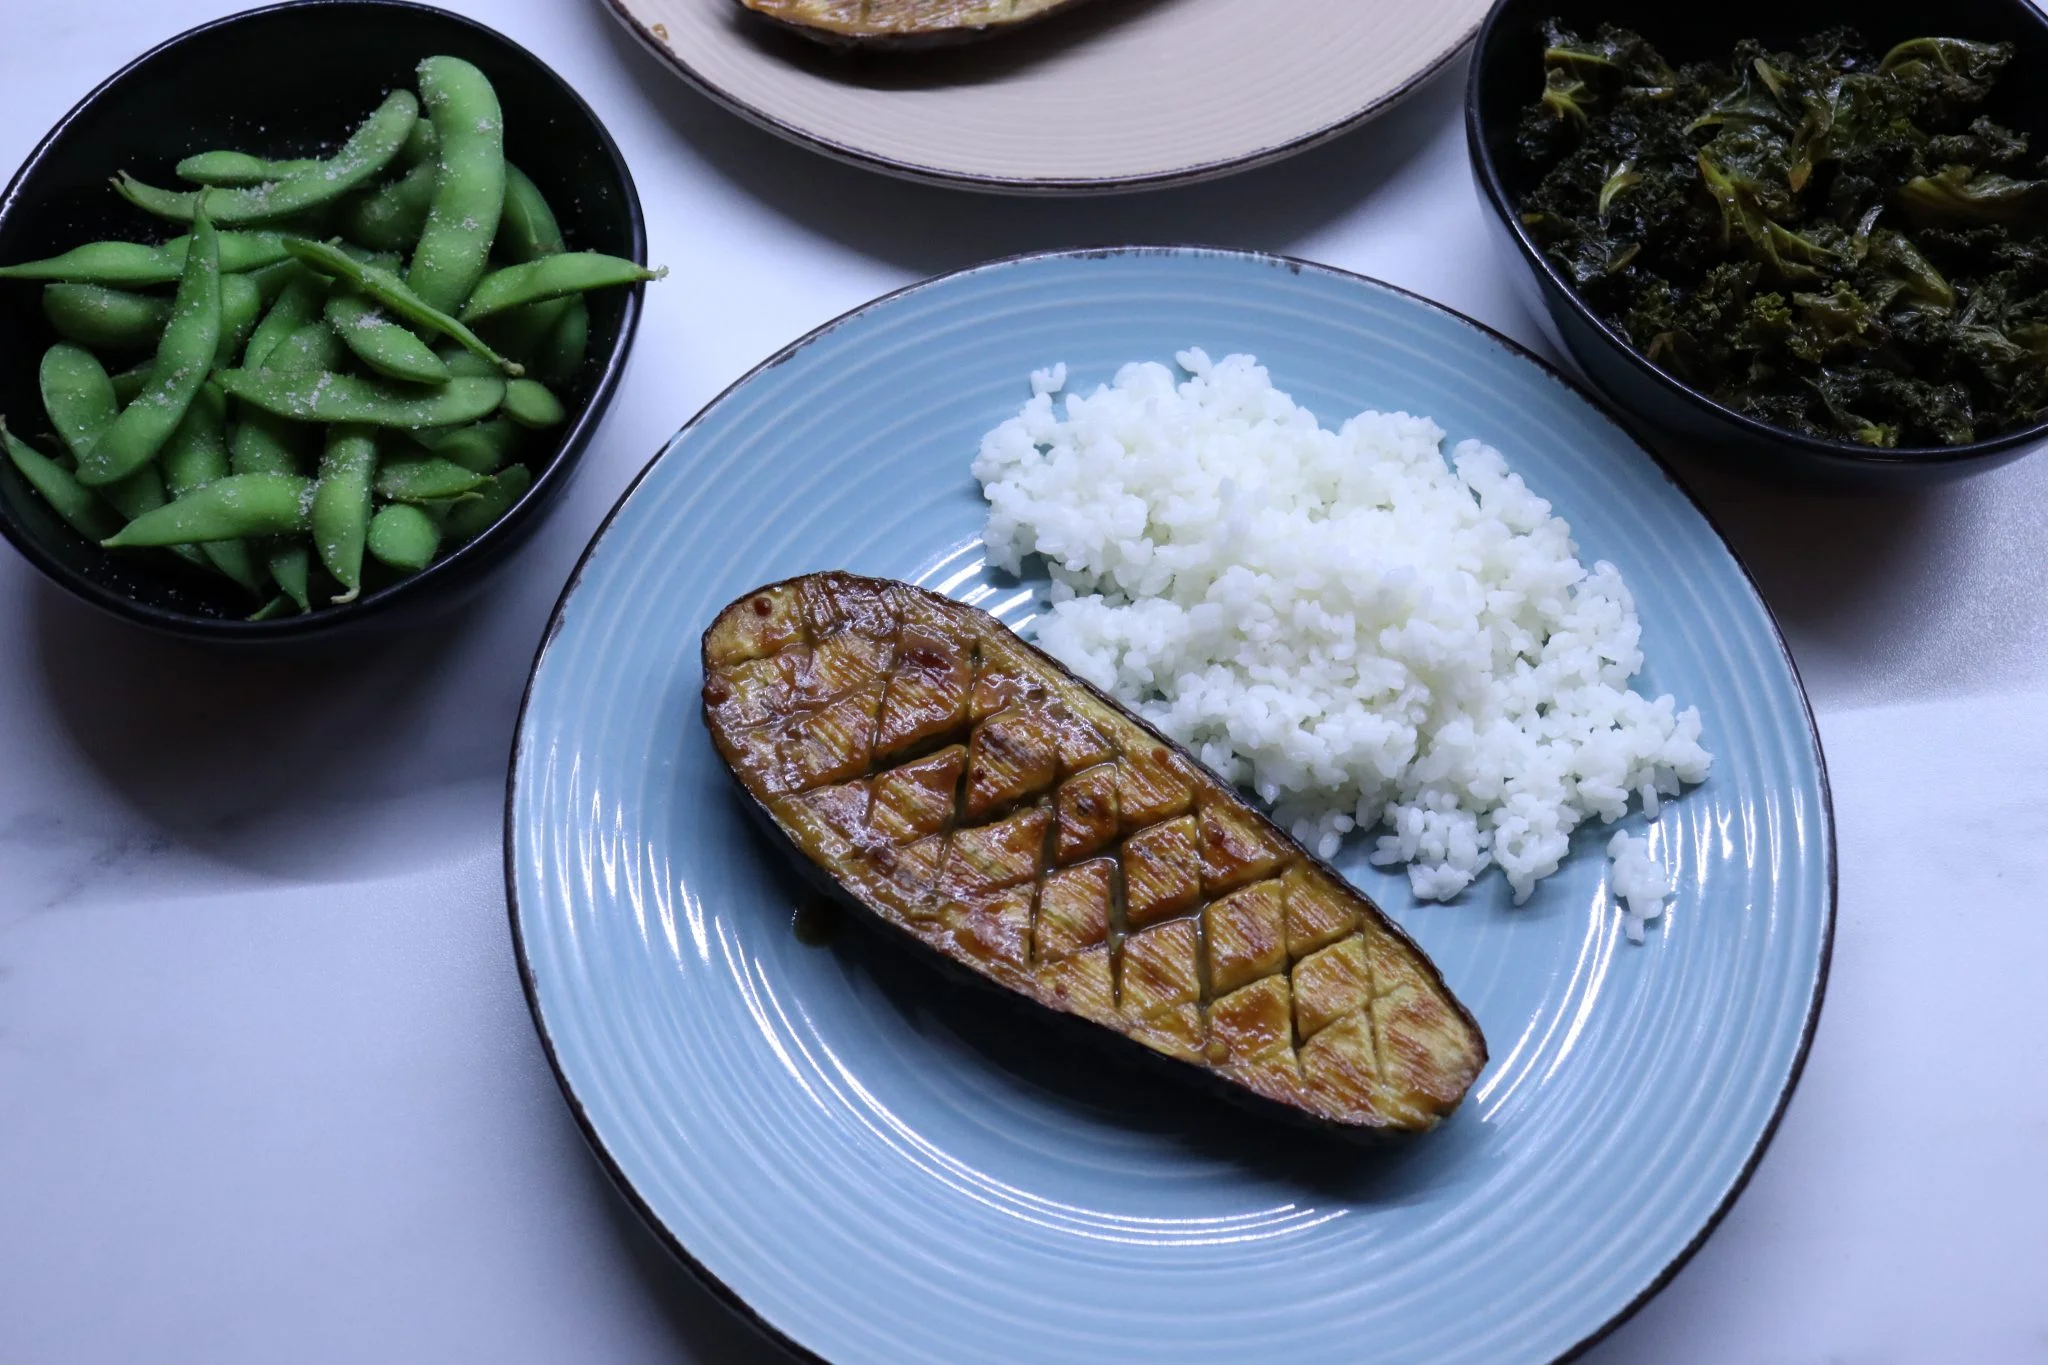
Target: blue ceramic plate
(879,1170)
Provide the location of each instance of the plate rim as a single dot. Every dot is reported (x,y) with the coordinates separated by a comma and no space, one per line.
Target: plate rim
(529,982)
(1026,185)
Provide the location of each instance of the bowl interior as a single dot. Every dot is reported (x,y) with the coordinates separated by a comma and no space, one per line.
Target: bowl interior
(292,80)
(1507,77)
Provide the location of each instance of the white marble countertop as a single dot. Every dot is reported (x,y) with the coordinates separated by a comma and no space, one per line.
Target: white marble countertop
(268,1088)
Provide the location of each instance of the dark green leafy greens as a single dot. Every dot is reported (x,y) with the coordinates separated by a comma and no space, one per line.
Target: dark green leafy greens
(1833,241)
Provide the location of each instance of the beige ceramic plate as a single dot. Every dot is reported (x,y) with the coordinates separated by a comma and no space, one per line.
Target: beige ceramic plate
(1111,95)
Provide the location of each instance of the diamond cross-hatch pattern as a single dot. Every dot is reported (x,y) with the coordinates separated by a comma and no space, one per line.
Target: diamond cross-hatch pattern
(972,793)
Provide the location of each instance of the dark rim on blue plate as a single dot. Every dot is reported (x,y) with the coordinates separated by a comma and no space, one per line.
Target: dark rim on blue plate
(1030,185)
(456,565)
(527,979)
(1845,452)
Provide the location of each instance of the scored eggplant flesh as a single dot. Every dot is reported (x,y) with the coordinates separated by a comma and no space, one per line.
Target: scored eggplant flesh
(904,23)
(968,790)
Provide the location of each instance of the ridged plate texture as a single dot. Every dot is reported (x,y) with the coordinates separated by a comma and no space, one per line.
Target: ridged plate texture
(1112,94)
(880,1168)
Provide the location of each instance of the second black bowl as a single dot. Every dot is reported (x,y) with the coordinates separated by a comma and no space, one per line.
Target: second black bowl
(1507,76)
(293,80)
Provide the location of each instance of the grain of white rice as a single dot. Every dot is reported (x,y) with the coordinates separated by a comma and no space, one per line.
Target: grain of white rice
(1637,881)
(1365,633)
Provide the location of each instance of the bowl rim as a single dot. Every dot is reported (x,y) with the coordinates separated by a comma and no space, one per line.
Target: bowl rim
(1849,453)
(529,979)
(569,448)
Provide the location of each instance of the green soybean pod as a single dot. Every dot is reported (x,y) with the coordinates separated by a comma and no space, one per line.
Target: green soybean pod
(472,517)
(296,305)
(390,217)
(277,606)
(234,170)
(372,147)
(143,492)
(529,403)
(80,507)
(382,344)
(466,364)
(426,479)
(291,568)
(469,196)
(77,395)
(129,382)
(480,447)
(134,265)
(552,277)
(403,537)
(241,301)
(183,356)
(341,505)
(194,457)
(386,288)
(104,318)
(331,397)
(227,509)
(561,355)
(528,229)
(263,442)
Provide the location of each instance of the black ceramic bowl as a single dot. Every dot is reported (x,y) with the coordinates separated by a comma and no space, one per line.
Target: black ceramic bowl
(1507,76)
(293,80)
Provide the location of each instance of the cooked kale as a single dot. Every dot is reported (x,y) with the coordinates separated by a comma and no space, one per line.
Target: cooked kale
(1830,240)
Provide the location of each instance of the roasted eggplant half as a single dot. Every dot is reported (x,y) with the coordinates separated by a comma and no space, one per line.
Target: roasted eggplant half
(904,23)
(968,791)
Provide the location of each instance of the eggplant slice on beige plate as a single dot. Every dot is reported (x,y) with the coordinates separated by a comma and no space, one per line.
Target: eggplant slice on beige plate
(904,23)
(1067,97)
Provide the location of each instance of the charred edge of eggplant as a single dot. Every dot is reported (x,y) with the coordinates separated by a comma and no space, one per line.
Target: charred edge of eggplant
(965,35)
(1386,921)
(1074,1029)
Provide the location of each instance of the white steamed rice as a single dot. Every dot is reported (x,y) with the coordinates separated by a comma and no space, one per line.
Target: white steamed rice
(1366,634)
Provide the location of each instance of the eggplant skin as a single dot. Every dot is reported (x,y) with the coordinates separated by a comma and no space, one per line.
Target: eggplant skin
(967,791)
(903,24)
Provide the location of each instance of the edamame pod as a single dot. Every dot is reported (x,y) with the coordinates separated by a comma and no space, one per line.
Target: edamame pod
(465,364)
(382,344)
(403,537)
(143,492)
(552,277)
(562,354)
(528,229)
(194,457)
(469,195)
(481,447)
(271,610)
(472,517)
(527,232)
(234,170)
(297,305)
(264,443)
(129,382)
(387,289)
(341,505)
(183,357)
(390,218)
(431,479)
(77,395)
(105,319)
(291,566)
(371,148)
(330,397)
(132,264)
(531,405)
(241,300)
(226,509)
(80,507)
